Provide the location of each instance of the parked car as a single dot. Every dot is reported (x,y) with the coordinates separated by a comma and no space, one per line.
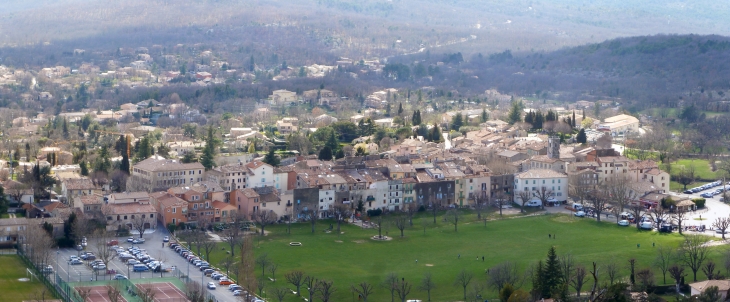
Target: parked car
(223,281)
(623,223)
(237,292)
(580,214)
(47,269)
(233,287)
(211,285)
(76,261)
(112,242)
(130,239)
(166,239)
(208,272)
(120,277)
(132,262)
(99,267)
(204,267)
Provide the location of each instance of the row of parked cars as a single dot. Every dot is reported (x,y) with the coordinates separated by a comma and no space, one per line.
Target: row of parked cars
(209,271)
(704,187)
(138,259)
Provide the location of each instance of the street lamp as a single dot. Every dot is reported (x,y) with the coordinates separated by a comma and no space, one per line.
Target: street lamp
(57,266)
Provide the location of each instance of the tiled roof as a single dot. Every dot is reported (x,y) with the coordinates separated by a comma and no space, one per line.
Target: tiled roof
(156,164)
(540,173)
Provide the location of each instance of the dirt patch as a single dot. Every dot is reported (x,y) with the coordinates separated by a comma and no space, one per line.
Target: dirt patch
(429,264)
(359,241)
(564,219)
(338,241)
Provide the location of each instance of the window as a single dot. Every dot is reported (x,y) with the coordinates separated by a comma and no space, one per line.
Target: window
(263,180)
(558,188)
(543,181)
(560,194)
(174,210)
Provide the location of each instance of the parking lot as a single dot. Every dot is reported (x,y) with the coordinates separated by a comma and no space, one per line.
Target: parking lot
(154,247)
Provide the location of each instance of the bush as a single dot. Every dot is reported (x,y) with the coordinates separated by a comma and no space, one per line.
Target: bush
(375,213)
(65,242)
(699,202)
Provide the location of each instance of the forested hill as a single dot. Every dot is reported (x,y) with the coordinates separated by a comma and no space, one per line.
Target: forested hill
(654,70)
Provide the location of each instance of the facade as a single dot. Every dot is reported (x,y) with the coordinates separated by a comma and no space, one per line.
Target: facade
(536,179)
(171,209)
(159,174)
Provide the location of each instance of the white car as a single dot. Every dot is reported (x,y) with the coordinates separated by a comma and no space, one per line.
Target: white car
(211,285)
(623,223)
(580,214)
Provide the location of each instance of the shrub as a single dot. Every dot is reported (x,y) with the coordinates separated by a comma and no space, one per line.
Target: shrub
(699,202)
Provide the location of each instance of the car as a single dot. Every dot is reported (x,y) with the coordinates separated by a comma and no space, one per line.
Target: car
(130,239)
(47,270)
(204,267)
(112,242)
(580,214)
(688,191)
(99,267)
(721,231)
(166,239)
(237,292)
(216,274)
(223,281)
(623,223)
(120,277)
(140,268)
(706,195)
(74,257)
(132,262)
(211,285)
(233,287)
(76,262)
(208,272)
(137,241)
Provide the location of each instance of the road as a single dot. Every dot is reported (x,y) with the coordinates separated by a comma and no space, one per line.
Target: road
(154,247)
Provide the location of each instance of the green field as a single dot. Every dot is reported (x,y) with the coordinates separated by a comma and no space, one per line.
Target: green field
(12,269)
(352,257)
(701,166)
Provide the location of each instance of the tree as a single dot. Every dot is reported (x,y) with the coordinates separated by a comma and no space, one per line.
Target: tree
(400,221)
(552,274)
(263,261)
(189,157)
(363,290)
(637,210)
(505,292)
(664,259)
(457,121)
(693,253)
(463,278)
(646,279)
(207,159)
(390,283)
(721,224)
(264,218)
(709,270)
(503,274)
(233,235)
(598,199)
(325,153)
(295,278)
(403,288)
(271,158)
(658,215)
(452,216)
(427,284)
(140,223)
(711,294)
(400,109)
(481,201)
(620,193)
(632,270)
(543,194)
(677,274)
(325,289)
(581,137)
(578,279)
(686,176)
(525,197)
(104,252)
(311,214)
(485,115)
(416,119)
(515,113)
(280,293)
(612,271)
(340,212)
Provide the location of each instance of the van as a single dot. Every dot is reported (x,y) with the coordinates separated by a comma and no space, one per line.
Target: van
(646,225)
(577,206)
(533,203)
(140,268)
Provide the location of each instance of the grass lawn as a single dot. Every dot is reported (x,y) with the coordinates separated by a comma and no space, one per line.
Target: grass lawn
(12,269)
(677,187)
(352,257)
(702,168)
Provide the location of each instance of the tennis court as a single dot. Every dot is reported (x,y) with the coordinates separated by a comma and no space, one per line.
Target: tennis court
(98,293)
(163,291)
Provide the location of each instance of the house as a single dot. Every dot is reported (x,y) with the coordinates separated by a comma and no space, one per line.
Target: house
(534,180)
(259,174)
(89,204)
(282,97)
(17,192)
(230,177)
(132,215)
(158,174)
(723,286)
(287,125)
(171,209)
(128,198)
(72,188)
(203,76)
(620,124)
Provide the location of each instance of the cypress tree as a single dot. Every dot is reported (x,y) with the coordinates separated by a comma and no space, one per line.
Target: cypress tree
(573,121)
(552,274)
(581,137)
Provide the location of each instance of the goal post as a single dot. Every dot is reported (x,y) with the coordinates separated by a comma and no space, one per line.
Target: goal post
(30,274)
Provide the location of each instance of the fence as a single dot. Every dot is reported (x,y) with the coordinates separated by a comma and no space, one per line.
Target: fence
(41,276)
(9,252)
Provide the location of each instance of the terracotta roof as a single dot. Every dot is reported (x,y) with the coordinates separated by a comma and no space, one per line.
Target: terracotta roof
(91,199)
(169,200)
(155,164)
(79,184)
(223,206)
(250,193)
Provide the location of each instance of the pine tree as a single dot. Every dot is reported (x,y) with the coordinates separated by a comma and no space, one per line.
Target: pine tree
(537,280)
(414,118)
(581,137)
(400,109)
(539,119)
(515,113)
(84,168)
(271,158)
(485,116)
(387,110)
(332,141)
(530,118)
(552,274)
(325,153)
(252,148)
(436,134)
(457,121)
(251,64)
(211,143)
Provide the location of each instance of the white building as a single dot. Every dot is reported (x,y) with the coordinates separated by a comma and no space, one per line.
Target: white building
(259,174)
(534,180)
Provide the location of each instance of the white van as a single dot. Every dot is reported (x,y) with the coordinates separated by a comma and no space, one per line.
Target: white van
(577,206)
(646,225)
(533,203)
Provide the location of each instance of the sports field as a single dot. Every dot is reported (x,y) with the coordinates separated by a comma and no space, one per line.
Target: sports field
(11,270)
(352,257)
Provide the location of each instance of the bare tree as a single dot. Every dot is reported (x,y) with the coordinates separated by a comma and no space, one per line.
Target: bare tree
(435,206)
(194,291)
(721,224)
(400,222)
(599,201)
(543,194)
(595,293)
(311,214)
(325,289)
(677,273)
(481,201)
(280,293)
(115,295)
(567,263)
(233,235)
(612,271)
(227,264)
(475,293)
(263,261)
(311,284)
(140,223)
(146,294)
(390,283)
(247,265)
(637,210)
(411,210)
(340,212)
(264,218)
(403,288)
(524,196)
(578,279)
(363,290)
(272,269)
(83,293)
(295,278)
(503,274)
(694,252)
(463,278)
(427,285)
(664,259)
(104,252)
(207,244)
(452,216)
(620,193)
(645,278)
(658,215)
(680,215)
(261,284)
(709,270)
